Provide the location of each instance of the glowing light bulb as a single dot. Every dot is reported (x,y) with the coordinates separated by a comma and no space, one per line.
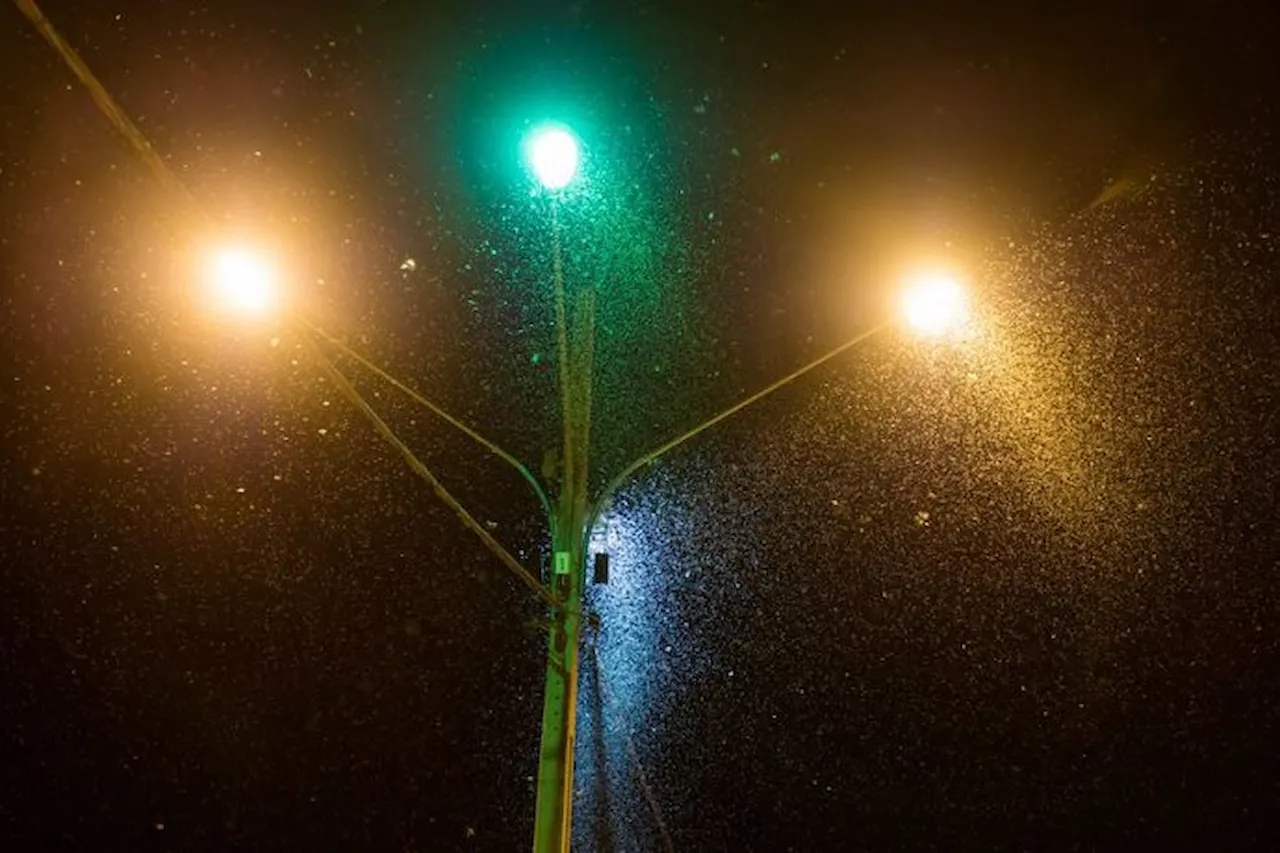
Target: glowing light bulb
(553,153)
(934,303)
(242,281)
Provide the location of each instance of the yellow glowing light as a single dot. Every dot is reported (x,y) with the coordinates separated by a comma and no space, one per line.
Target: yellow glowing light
(934,303)
(242,281)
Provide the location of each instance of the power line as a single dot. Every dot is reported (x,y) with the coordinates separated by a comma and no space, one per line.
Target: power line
(107,104)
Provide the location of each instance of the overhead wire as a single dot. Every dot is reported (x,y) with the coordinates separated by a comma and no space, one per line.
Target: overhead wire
(107,104)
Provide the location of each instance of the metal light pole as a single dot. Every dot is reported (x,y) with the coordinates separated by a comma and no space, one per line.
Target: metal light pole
(553,155)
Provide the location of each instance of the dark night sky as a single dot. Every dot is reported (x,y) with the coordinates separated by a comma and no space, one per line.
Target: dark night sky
(1012,593)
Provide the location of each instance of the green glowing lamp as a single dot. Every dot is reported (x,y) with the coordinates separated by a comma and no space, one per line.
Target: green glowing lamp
(553,153)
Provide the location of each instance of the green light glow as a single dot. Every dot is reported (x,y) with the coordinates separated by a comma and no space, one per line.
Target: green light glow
(553,154)
(624,231)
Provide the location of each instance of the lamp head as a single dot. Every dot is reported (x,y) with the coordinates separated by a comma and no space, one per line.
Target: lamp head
(934,303)
(241,280)
(553,154)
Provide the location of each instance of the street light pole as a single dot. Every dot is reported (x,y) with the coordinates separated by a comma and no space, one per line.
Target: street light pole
(553,156)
